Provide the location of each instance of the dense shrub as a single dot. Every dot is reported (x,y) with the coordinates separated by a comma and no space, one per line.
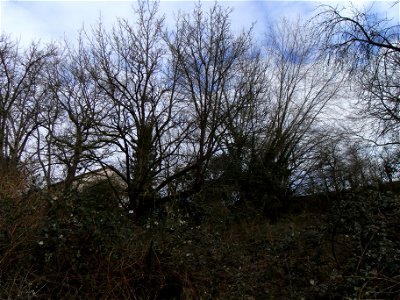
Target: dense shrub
(83,245)
(364,227)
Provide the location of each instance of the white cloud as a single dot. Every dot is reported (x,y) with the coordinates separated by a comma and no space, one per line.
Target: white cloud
(52,20)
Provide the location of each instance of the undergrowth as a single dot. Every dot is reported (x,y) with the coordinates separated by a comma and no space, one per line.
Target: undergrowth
(84,246)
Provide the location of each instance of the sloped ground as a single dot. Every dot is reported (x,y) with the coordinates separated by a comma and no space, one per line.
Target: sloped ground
(254,259)
(88,249)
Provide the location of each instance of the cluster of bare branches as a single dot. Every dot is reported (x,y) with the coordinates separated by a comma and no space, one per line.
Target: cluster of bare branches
(171,111)
(367,47)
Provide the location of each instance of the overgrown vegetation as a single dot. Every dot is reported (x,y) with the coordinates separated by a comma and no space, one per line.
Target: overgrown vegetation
(220,177)
(84,246)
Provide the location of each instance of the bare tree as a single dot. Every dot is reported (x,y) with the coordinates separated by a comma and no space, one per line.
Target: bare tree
(78,110)
(287,90)
(131,69)
(43,139)
(283,93)
(168,94)
(302,85)
(367,46)
(356,36)
(208,56)
(243,123)
(343,163)
(22,94)
(380,94)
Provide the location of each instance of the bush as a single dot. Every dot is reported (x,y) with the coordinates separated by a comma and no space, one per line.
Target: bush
(367,224)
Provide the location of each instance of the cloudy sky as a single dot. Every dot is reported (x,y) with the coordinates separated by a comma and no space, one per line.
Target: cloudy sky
(53,20)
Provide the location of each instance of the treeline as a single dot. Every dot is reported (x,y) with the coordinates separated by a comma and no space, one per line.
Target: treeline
(176,111)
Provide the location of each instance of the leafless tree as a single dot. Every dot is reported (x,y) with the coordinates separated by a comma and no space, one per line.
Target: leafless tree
(283,93)
(343,163)
(42,146)
(380,94)
(367,46)
(208,56)
(168,95)
(22,94)
(243,123)
(77,111)
(130,67)
(301,86)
